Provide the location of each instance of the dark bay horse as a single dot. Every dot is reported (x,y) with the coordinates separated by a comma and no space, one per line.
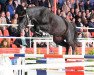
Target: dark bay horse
(43,19)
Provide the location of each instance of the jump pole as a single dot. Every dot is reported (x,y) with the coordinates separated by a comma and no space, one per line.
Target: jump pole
(60,50)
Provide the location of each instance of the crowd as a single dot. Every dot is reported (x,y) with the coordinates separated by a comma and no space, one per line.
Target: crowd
(80,13)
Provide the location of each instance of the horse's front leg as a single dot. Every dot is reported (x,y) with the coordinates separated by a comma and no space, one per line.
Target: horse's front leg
(45,27)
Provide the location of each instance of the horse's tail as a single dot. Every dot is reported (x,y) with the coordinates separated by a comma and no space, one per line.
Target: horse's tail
(75,34)
(73,26)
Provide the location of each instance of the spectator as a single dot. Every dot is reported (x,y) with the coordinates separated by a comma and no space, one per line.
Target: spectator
(16,18)
(92,15)
(3,5)
(41,44)
(22,42)
(51,2)
(12,45)
(29,2)
(35,2)
(91,23)
(58,12)
(76,4)
(87,5)
(73,21)
(8,17)
(84,33)
(65,8)
(79,14)
(10,8)
(81,6)
(76,12)
(83,15)
(60,3)
(63,14)
(72,12)
(5,43)
(28,33)
(68,3)
(0,20)
(15,3)
(5,31)
(89,44)
(3,18)
(83,18)
(46,3)
(31,5)
(1,34)
(13,28)
(79,23)
(0,8)
(20,11)
(87,14)
(69,16)
(24,5)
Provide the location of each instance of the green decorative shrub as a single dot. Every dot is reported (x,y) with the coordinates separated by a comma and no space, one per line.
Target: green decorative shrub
(91,52)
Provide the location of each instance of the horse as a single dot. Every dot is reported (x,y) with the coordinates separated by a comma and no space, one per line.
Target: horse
(64,33)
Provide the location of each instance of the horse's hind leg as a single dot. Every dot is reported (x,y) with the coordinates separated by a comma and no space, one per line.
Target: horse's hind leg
(67,49)
(71,43)
(65,44)
(73,49)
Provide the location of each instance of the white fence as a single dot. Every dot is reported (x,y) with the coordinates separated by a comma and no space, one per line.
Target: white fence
(50,39)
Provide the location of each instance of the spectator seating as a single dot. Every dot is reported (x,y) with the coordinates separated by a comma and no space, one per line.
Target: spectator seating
(5,32)
(1,33)
(92,34)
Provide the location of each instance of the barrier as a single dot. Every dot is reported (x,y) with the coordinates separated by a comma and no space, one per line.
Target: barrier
(51,64)
(47,55)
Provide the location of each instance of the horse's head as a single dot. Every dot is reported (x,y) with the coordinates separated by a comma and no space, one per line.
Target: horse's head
(28,21)
(37,16)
